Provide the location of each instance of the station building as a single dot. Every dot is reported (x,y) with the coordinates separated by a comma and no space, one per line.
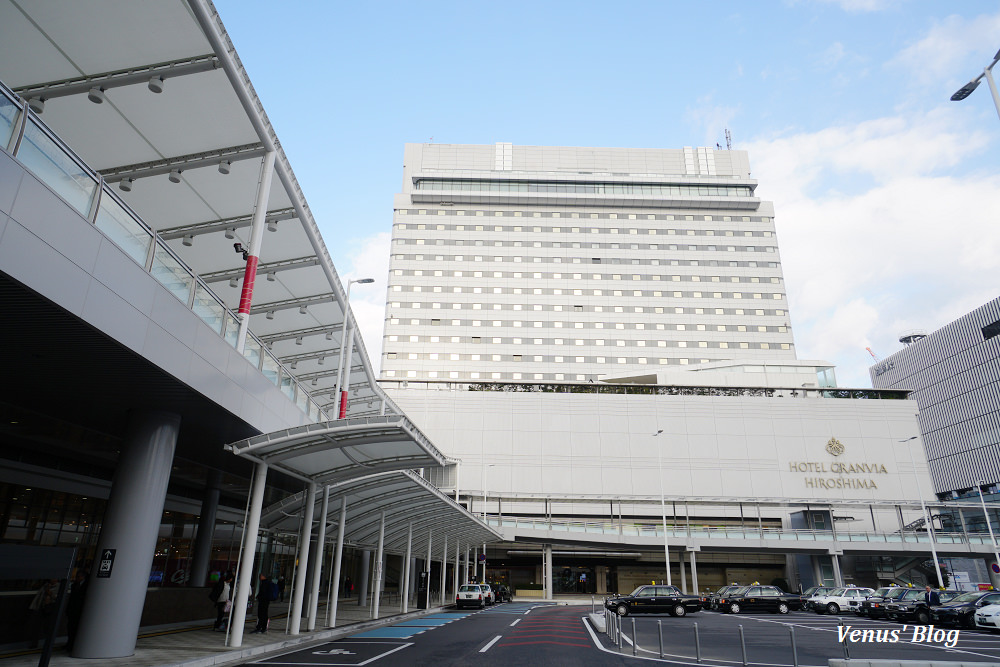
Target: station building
(600,340)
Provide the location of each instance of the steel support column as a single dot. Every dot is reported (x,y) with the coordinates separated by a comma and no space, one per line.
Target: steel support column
(298,595)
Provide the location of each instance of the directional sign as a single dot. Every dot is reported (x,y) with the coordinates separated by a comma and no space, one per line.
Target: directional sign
(107,561)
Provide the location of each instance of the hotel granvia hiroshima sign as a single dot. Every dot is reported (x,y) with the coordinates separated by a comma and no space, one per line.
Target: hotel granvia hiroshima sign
(839,474)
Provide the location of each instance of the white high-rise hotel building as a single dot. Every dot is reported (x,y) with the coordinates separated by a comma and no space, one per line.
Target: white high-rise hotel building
(537,263)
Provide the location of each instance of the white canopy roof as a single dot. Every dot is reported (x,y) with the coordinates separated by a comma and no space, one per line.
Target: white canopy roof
(407,500)
(55,52)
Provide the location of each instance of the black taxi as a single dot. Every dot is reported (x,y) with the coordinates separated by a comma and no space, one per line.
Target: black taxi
(654,600)
(759,598)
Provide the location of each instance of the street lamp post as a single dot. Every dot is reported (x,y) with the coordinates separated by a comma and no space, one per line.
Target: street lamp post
(996,552)
(663,509)
(341,398)
(927,518)
(967,89)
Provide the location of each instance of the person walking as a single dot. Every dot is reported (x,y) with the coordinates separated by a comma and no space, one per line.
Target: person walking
(281,588)
(931,597)
(266,593)
(223,593)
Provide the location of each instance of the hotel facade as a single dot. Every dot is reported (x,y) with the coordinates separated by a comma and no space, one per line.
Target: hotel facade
(600,340)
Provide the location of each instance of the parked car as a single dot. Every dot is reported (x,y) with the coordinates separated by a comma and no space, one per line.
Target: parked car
(876,598)
(503,593)
(877,605)
(960,610)
(470,595)
(488,591)
(759,598)
(912,606)
(711,601)
(988,617)
(812,592)
(654,600)
(840,599)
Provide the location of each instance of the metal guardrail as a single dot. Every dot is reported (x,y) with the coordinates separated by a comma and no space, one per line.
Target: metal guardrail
(40,150)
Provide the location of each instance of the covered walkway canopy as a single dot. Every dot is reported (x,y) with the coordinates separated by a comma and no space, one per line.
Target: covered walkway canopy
(364,463)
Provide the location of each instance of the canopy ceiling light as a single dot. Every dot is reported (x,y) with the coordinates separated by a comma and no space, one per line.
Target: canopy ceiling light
(36,104)
(270,315)
(230,232)
(302,310)
(125,185)
(224,166)
(272,226)
(175,176)
(188,240)
(233,282)
(298,341)
(271,276)
(156,84)
(96,95)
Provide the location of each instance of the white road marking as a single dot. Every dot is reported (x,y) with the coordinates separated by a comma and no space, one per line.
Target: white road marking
(515,622)
(492,642)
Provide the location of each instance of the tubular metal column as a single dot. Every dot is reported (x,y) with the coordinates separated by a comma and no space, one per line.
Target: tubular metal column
(331,607)
(256,235)
(694,572)
(444,568)
(458,554)
(300,574)
(248,552)
(318,564)
(366,559)
(117,588)
(406,566)
(430,534)
(379,555)
(684,582)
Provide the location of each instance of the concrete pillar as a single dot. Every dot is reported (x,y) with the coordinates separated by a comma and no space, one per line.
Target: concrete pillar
(379,569)
(202,557)
(318,560)
(406,566)
(694,572)
(547,570)
(331,606)
(475,563)
(298,595)
(484,564)
(684,582)
(427,562)
(129,529)
(838,580)
(466,577)
(366,558)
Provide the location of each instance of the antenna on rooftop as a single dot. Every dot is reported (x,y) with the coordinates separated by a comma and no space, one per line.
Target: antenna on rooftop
(729,140)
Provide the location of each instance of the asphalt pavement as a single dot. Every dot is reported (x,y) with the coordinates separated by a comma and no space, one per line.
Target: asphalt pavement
(543,633)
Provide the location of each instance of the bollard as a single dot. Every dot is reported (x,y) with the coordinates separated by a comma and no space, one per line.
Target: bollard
(635,640)
(847,651)
(618,631)
(592,605)
(659,632)
(697,644)
(743,645)
(795,653)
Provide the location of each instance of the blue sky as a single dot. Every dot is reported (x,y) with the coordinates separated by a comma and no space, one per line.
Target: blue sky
(886,193)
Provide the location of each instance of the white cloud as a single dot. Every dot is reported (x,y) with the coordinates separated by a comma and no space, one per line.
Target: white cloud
(370,259)
(876,235)
(856,6)
(939,56)
(712,119)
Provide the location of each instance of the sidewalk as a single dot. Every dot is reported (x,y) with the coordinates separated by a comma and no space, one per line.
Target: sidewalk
(196,645)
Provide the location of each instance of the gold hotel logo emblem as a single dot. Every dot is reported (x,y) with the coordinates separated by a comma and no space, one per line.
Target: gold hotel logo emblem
(835,447)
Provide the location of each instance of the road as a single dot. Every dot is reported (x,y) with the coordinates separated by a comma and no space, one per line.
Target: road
(551,635)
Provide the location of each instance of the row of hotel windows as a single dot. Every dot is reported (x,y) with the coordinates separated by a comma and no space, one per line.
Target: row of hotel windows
(634,309)
(727,233)
(579,276)
(599,342)
(635,293)
(554,214)
(476,375)
(519,258)
(638,326)
(613,260)
(656,189)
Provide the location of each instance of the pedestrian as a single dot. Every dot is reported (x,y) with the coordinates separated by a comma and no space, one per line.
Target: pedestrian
(348,587)
(222,596)
(43,609)
(281,588)
(266,592)
(74,607)
(931,597)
